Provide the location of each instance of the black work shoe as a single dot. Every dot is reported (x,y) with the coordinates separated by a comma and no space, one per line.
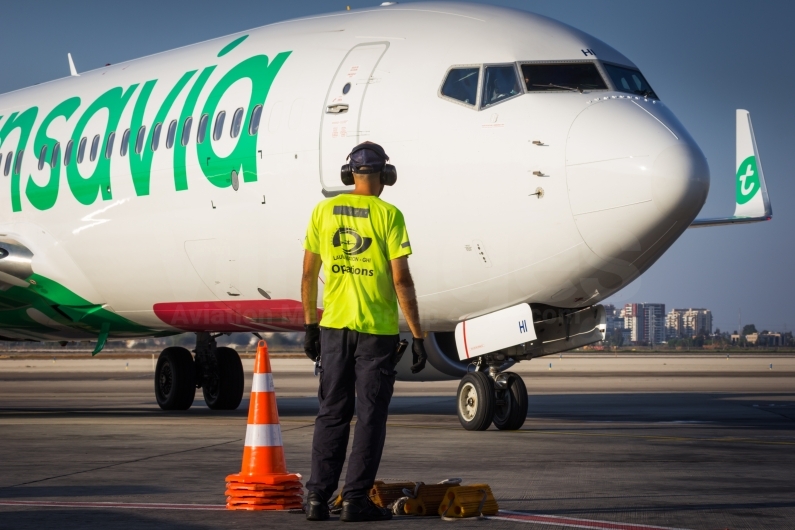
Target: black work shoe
(316,507)
(363,509)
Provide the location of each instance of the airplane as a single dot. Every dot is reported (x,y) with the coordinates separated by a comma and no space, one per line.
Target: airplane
(539,173)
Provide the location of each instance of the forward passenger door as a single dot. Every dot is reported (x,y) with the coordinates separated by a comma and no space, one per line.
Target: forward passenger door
(340,123)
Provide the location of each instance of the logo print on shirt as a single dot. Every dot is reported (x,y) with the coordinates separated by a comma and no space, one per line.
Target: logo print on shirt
(351,242)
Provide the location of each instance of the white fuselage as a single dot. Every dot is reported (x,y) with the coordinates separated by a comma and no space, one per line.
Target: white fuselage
(621,178)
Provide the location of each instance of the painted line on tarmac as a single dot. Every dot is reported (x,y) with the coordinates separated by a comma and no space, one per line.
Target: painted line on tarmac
(659,437)
(505,515)
(127,505)
(654,437)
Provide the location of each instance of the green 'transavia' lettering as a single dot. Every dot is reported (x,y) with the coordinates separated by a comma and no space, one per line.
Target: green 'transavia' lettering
(24,122)
(43,197)
(180,151)
(141,164)
(86,189)
(243,158)
(259,70)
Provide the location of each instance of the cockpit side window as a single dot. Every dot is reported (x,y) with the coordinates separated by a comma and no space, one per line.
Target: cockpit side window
(499,83)
(545,77)
(629,80)
(461,84)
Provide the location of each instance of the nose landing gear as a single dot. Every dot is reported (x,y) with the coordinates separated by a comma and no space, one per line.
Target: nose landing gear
(486,398)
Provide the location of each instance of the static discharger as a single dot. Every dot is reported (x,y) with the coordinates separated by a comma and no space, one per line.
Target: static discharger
(263,482)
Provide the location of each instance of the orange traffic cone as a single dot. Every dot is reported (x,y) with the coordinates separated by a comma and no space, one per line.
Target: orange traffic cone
(263,482)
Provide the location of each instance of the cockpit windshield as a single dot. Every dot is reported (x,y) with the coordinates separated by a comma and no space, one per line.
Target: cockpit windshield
(629,80)
(500,83)
(562,76)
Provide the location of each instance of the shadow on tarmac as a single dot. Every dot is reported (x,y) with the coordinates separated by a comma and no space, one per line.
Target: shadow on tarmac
(709,408)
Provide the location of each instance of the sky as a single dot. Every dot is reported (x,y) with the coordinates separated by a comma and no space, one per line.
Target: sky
(704,59)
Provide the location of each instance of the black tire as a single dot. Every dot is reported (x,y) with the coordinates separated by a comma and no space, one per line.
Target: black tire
(175,379)
(224,389)
(510,408)
(475,403)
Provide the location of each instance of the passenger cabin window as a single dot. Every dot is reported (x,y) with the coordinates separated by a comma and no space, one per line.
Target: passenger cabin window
(256,115)
(139,140)
(237,123)
(461,84)
(186,130)
(56,153)
(499,83)
(67,154)
(81,150)
(94,148)
(42,156)
(172,132)
(7,169)
(201,133)
(629,80)
(125,143)
(109,145)
(562,76)
(156,136)
(18,163)
(218,130)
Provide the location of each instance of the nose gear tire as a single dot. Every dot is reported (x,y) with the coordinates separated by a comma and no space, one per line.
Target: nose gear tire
(475,401)
(175,379)
(223,389)
(510,410)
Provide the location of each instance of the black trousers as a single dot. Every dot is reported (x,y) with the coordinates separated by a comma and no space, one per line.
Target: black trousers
(356,369)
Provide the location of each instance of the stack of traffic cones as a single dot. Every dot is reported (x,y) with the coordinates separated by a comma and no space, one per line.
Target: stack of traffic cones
(263,482)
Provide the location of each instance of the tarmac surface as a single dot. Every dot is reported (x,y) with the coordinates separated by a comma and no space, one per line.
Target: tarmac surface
(625,443)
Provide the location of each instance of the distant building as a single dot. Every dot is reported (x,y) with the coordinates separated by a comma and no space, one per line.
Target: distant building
(688,323)
(764,339)
(613,319)
(646,323)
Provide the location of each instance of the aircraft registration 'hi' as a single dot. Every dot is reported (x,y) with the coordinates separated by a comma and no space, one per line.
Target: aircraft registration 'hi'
(171,193)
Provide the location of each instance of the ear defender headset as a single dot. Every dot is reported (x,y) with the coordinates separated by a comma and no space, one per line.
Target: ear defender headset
(367,158)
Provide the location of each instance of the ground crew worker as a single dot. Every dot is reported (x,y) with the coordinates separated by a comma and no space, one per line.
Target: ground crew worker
(363,245)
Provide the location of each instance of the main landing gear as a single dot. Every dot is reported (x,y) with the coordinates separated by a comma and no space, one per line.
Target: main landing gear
(216,370)
(492,397)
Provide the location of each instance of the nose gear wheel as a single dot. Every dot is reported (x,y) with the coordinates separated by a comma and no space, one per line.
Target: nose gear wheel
(476,398)
(510,409)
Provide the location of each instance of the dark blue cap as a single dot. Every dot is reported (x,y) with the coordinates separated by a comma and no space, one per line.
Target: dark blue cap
(367,158)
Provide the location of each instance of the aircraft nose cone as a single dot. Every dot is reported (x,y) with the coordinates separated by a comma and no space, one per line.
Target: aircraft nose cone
(680,181)
(636,180)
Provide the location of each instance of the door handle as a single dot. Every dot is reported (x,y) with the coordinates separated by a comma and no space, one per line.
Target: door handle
(337,108)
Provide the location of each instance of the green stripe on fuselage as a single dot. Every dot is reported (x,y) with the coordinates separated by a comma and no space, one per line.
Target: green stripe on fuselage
(22,308)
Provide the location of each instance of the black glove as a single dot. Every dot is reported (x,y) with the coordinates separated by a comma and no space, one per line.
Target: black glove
(312,341)
(418,355)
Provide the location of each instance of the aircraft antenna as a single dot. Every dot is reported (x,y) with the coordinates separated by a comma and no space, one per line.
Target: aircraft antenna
(72,69)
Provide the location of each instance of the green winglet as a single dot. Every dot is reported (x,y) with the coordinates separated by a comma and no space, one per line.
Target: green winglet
(78,312)
(102,339)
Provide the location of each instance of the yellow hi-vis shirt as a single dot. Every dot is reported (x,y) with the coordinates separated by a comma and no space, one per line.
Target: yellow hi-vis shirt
(356,237)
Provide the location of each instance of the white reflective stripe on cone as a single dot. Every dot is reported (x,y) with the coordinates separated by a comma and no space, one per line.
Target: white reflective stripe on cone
(262,383)
(269,435)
